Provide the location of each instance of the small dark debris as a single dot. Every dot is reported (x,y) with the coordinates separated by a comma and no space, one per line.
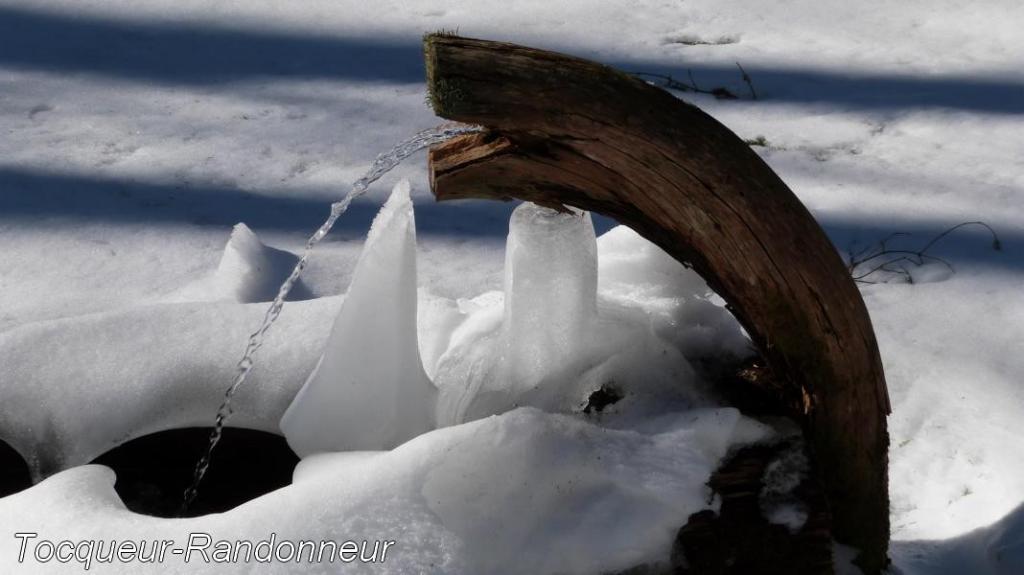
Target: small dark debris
(601,398)
(39,109)
(723,94)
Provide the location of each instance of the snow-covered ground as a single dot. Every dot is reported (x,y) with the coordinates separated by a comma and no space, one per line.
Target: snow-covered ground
(136,134)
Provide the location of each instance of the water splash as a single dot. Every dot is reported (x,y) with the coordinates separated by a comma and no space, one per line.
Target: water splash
(382,164)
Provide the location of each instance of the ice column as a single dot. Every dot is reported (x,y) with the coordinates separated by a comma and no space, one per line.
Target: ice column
(369,390)
(550,290)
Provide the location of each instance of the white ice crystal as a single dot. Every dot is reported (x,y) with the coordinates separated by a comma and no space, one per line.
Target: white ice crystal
(369,390)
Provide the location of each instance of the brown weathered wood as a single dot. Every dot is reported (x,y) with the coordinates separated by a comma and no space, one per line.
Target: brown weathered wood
(568,131)
(738,540)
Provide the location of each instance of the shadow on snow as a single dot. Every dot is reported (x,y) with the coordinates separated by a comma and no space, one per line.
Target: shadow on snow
(205,54)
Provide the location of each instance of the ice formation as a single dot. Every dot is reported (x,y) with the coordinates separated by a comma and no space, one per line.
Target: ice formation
(164,364)
(565,327)
(549,306)
(549,341)
(369,390)
(550,290)
(436,318)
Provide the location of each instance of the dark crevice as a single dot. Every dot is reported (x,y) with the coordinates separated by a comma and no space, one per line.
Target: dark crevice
(153,470)
(14,474)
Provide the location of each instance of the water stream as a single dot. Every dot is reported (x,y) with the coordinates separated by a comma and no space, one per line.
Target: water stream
(382,164)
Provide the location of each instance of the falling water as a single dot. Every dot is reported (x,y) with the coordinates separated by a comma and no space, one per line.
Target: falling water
(383,164)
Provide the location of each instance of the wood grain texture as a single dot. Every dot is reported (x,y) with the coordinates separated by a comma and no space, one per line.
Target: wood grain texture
(566,131)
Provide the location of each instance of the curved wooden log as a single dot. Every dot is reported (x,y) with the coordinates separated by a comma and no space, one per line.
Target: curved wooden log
(566,131)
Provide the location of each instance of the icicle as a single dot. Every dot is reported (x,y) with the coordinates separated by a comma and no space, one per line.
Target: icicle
(369,390)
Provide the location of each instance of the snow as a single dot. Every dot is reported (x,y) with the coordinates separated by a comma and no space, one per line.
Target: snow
(682,309)
(162,366)
(996,548)
(369,390)
(138,133)
(485,497)
(626,478)
(249,271)
(779,504)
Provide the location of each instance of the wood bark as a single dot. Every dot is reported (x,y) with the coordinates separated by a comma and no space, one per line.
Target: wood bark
(567,131)
(738,540)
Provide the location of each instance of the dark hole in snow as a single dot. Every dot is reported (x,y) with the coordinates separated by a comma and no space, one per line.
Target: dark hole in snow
(602,398)
(14,474)
(154,470)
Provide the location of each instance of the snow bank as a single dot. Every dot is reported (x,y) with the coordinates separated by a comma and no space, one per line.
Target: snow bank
(523,492)
(997,549)
(497,494)
(166,365)
(163,367)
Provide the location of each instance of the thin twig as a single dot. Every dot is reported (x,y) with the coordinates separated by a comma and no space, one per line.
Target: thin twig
(748,80)
(894,256)
(673,84)
(996,244)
